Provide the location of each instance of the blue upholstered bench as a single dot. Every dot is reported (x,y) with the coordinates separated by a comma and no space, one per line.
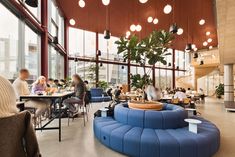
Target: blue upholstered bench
(164,133)
(96,95)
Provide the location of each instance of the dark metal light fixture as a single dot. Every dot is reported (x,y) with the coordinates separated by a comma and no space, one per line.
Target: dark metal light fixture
(55,40)
(173,28)
(201,62)
(101,64)
(98,53)
(32,3)
(195,55)
(75,60)
(188,47)
(123,67)
(107,34)
(177,67)
(169,64)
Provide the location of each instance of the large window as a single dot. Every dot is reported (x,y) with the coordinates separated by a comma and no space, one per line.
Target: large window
(56,22)
(35,11)
(32,51)
(56,64)
(9,38)
(82,43)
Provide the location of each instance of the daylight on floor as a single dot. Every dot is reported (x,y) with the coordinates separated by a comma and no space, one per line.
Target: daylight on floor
(115,78)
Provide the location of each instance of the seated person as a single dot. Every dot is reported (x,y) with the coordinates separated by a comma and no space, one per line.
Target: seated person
(50,83)
(21,88)
(57,84)
(153,94)
(189,91)
(79,89)
(17,135)
(109,92)
(180,94)
(118,93)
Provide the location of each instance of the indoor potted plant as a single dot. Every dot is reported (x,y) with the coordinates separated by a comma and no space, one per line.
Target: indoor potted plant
(149,50)
(219,90)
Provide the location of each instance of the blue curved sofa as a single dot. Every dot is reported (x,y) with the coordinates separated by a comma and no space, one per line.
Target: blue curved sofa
(96,95)
(141,133)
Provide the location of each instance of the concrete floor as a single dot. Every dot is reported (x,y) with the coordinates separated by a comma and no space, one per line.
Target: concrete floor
(78,140)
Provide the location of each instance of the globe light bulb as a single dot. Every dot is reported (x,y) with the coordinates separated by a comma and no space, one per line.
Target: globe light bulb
(150,19)
(210,47)
(106,2)
(180,31)
(143,1)
(132,28)
(209,40)
(208,33)
(72,22)
(138,28)
(155,21)
(81,3)
(167,9)
(128,33)
(205,43)
(202,22)
(193,46)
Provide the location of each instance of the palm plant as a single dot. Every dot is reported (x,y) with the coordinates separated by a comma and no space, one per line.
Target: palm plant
(150,50)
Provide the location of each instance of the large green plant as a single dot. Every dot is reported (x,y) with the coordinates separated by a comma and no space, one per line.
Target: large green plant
(149,50)
(103,85)
(219,90)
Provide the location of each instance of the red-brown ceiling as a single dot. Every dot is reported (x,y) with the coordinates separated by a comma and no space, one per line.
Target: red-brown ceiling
(123,13)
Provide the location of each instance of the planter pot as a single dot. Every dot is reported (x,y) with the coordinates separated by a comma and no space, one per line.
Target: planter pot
(145,105)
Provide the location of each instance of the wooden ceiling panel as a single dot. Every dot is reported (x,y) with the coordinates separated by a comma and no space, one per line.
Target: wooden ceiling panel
(123,13)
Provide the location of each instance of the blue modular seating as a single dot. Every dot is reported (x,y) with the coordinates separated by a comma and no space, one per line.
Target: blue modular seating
(141,133)
(97,95)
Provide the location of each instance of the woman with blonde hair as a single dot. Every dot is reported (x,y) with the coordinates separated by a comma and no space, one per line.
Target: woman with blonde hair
(39,86)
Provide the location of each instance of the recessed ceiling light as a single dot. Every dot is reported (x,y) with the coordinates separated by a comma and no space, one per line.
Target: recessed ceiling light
(106,2)
(81,3)
(209,40)
(180,31)
(155,21)
(72,22)
(205,43)
(167,9)
(150,19)
(202,22)
(208,33)
(195,49)
(138,28)
(210,47)
(143,1)
(132,27)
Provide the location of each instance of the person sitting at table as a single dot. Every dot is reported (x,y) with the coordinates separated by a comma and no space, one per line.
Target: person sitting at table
(50,83)
(153,94)
(118,93)
(79,89)
(57,84)
(189,91)
(21,88)
(180,94)
(17,135)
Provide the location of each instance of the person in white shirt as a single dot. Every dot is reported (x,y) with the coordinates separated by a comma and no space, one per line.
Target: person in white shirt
(21,88)
(153,94)
(180,95)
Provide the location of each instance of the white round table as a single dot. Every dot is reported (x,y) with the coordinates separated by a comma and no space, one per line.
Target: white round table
(193,124)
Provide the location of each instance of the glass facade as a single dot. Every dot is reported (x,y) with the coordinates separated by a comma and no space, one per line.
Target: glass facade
(19,46)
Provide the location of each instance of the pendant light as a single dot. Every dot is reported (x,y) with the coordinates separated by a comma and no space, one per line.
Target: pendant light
(195,55)
(107,33)
(32,3)
(173,28)
(143,1)
(105,2)
(81,3)
(167,9)
(72,22)
(188,45)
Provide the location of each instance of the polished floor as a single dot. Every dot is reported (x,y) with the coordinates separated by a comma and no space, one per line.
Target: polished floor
(78,140)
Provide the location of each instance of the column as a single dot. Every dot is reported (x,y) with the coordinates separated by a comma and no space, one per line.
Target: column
(228,84)
(44,39)
(66,42)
